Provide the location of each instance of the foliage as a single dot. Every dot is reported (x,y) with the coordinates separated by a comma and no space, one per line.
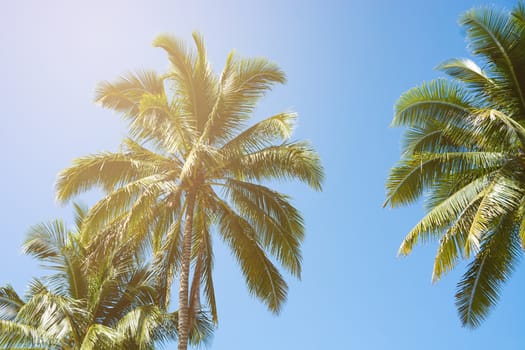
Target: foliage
(193,166)
(464,148)
(103,303)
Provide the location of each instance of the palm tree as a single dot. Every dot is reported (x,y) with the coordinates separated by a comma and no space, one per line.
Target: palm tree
(193,166)
(99,297)
(465,149)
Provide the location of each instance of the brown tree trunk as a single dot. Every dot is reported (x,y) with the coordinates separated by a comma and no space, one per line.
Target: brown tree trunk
(184,325)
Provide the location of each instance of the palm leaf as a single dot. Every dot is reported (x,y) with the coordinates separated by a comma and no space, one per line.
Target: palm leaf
(479,288)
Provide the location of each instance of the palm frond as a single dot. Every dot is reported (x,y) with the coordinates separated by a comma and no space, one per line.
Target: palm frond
(278,224)
(440,217)
(166,261)
(119,201)
(297,161)
(492,34)
(276,128)
(470,74)
(162,123)
(503,197)
(10,303)
(479,288)
(243,82)
(107,170)
(262,277)
(438,100)
(407,181)
(191,78)
(125,94)
(16,335)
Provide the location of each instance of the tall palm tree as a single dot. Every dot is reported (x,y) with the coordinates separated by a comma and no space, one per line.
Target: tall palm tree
(99,297)
(465,148)
(193,166)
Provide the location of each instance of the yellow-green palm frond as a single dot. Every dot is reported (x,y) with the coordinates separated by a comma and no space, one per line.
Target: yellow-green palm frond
(278,224)
(58,250)
(118,202)
(289,161)
(10,303)
(207,278)
(262,134)
(15,335)
(243,82)
(202,255)
(140,326)
(164,124)
(262,277)
(56,316)
(125,94)
(166,212)
(193,83)
(166,261)
(107,170)
(99,336)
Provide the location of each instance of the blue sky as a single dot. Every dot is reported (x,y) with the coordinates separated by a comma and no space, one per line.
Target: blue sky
(347,62)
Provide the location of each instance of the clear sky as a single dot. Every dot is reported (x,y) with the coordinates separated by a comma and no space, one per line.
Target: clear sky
(347,62)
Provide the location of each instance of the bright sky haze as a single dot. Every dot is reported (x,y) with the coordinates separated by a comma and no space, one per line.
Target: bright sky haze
(347,62)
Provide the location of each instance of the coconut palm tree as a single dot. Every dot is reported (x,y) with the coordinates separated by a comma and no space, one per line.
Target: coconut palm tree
(98,297)
(193,166)
(465,149)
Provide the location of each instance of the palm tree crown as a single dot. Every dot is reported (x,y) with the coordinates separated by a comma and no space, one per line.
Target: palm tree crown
(193,166)
(98,297)
(465,148)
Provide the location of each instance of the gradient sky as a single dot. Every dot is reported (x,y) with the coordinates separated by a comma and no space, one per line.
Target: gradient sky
(347,62)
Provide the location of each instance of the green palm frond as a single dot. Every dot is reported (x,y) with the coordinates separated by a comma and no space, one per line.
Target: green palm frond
(464,149)
(470,74)
(438,100)
(497,131)
(430,138)
(492,34)
(440,217)
(503,197)
(407,181)
(479,288)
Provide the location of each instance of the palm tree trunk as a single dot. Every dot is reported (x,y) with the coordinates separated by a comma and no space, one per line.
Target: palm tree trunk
(184,325)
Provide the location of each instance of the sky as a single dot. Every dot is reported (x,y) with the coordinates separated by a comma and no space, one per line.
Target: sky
(347,62)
